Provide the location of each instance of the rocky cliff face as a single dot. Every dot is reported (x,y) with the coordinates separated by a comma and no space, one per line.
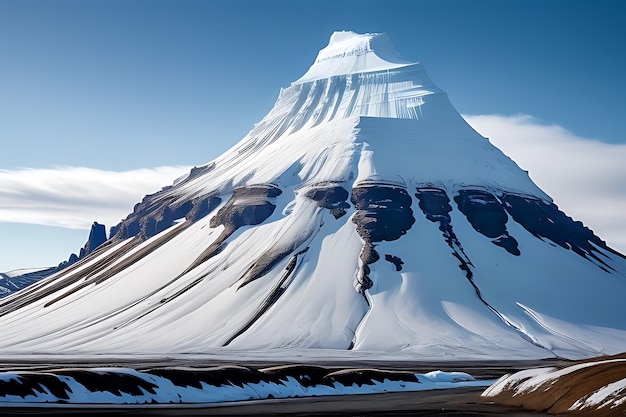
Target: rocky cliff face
(97,237)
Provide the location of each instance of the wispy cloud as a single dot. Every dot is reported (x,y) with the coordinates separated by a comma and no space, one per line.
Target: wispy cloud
(585,177)
(75,197)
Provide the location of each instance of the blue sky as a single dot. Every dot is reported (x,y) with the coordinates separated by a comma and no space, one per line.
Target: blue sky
(119,86)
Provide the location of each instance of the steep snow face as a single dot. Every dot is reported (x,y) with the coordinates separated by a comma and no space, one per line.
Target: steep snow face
(353,53)
(361,214)
(319,126)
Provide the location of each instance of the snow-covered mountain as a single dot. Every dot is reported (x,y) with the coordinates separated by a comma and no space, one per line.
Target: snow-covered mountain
(18,279)
(362,214)
(21,278)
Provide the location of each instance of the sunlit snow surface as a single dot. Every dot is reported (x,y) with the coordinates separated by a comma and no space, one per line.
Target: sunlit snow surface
(363,214)
(213,385)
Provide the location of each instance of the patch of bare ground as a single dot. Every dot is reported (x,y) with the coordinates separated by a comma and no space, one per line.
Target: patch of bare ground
(582,388)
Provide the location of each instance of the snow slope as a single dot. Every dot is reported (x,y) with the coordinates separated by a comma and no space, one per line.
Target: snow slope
(362,213)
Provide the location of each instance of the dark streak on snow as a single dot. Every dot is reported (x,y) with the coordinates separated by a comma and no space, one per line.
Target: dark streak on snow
(247,206)
(383,213)
(66,278)
(277,292)
(331,197)
(100,275)
(545,221)
(161,303)
(265,263)
(435,204)
(487,216)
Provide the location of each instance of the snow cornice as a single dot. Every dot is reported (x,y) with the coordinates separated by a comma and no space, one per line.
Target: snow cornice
(351,53)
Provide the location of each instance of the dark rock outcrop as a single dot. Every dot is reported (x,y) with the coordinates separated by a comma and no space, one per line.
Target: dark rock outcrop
(330,196)
(97,236)
(247,206)
(154,215)
(488,217)
(383,214)
(546,222)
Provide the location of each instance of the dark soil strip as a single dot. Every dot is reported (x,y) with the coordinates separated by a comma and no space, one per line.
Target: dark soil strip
(66,278)
(485,214)
(120,266)
(274,296)
(234,214)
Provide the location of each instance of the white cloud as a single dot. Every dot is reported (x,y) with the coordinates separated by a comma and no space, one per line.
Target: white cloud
(586,178)
(75,197)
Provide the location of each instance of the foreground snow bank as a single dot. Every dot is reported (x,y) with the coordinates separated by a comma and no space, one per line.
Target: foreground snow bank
(592,388)
(212,385)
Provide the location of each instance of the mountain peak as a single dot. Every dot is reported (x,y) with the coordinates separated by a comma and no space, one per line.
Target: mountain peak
(362,213)
(348,53)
